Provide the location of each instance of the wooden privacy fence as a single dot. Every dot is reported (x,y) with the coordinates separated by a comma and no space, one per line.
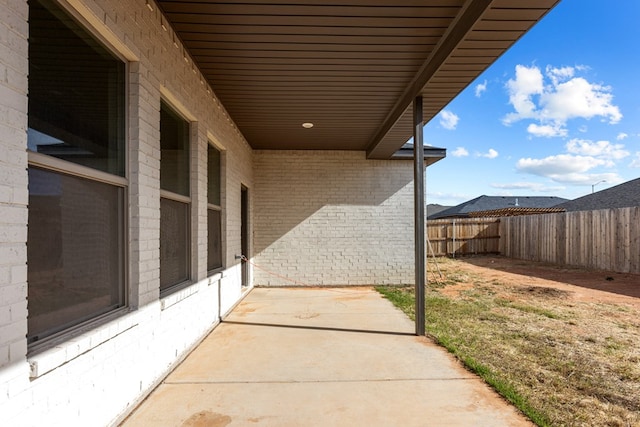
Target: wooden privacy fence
(451,237)
(606,239)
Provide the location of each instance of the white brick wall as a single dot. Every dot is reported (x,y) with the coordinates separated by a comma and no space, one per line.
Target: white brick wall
(320,218)
(332,218)
(100,373)
(13,184)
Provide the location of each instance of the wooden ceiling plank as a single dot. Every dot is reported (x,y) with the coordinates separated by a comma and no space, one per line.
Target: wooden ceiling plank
(525,4)
(375,39)
(310,47)
(497,25)
(317,21)
(379,3)
(494,35)
(373,76)
(310,10)
(297,30)
(517,14)
(324,55)
(249,63)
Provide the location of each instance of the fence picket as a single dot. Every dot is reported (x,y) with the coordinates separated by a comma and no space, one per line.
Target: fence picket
(464,236)
(607,239)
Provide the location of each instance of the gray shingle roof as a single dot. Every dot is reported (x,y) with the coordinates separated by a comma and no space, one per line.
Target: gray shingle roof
(487,203)
(623,195)
(434,208)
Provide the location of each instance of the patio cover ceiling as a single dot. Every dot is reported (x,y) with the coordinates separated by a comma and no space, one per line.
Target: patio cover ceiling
(350,67)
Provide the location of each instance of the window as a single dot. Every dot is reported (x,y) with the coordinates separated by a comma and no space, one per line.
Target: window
(175,257)
(77,186)
(76,93)
(214,220)
(74,250)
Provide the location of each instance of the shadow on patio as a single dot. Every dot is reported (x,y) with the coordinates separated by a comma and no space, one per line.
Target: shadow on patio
(318,357)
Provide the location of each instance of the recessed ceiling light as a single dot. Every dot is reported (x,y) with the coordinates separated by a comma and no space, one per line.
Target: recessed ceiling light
(307,125)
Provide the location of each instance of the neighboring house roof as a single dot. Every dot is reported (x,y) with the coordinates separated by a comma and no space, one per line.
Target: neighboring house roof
(491,203)
(623,195)
(513,212)
(433,208)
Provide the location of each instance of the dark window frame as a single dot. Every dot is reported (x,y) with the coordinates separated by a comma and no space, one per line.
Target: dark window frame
(214,204)
(77,92)
(95,169)
(178,195)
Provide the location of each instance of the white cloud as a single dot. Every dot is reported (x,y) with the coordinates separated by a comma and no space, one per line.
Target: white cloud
(576,166)
(481,88)
(552,105)
(491,154)
(529,186)
(460,152)
(569,169)
(448,120)
(562,164)
(546,131)
(622,136)
(559,74)
(516,186)
(528,82)
(579,98)
(588,178)
(602,149)
(635,163)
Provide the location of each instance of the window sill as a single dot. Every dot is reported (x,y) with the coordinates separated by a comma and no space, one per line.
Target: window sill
(214,278)
(177,296)
(63,352)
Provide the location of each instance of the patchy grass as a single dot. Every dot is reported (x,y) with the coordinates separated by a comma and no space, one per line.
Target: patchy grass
(561,361)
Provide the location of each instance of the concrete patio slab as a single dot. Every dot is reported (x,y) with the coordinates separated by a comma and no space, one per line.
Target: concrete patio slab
(321,357)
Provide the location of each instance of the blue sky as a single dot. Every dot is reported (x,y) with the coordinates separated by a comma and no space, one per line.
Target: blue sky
(556,114)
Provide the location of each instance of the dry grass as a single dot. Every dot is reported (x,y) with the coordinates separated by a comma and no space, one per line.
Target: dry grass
(563,361)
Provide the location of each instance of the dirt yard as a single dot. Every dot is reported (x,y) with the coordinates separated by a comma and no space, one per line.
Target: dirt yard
(581,284)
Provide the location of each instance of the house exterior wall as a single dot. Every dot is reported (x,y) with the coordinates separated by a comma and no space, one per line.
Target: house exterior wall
(97,373)
(332,218)
(14,376)
(321,218)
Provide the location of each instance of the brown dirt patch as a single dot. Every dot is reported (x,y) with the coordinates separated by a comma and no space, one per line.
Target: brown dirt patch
(551,280)
(207,419)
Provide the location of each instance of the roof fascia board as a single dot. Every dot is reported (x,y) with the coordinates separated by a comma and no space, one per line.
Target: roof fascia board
(462,24)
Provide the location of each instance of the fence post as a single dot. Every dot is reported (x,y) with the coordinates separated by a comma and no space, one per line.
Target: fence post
(453,247)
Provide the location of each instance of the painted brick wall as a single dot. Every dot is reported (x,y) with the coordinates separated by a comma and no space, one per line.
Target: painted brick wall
(332,218)
(98,374)
(13,198)
(320,218)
